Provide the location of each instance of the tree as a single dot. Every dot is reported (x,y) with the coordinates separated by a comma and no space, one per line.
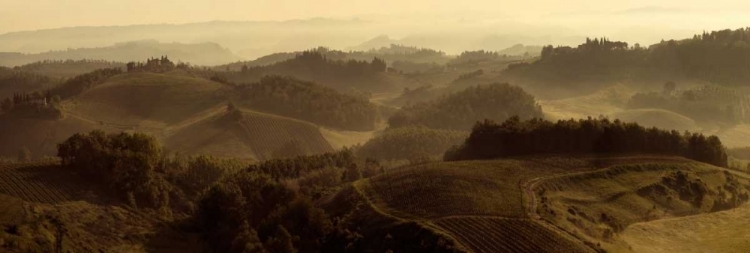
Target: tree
(669,87)
(6,105)
(352,173)
(24,155)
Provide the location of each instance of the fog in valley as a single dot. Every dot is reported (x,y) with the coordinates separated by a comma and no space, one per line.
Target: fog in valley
(374,126)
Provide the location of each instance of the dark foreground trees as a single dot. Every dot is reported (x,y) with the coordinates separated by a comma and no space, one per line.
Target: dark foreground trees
(600,136)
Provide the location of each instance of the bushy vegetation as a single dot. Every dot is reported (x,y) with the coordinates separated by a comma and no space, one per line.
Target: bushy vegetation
(459,111)
(705,104)
(514,137)
(135,168)
(308,101)
(411,142)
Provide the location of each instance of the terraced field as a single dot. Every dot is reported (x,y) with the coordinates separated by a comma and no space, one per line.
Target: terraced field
(490,234)
(491,206)
(39,183)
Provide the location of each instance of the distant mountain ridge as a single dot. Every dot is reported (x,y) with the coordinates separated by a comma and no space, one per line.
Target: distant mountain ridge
(198,54)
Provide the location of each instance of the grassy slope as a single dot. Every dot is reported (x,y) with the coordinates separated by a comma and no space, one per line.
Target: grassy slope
(41,136)
(255,136)
(479,193)
(723,231)
(148,99)
(578,202)
(461,198)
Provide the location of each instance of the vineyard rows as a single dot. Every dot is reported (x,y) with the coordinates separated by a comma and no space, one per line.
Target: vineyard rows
(486,234)
(267,134)
(41,183)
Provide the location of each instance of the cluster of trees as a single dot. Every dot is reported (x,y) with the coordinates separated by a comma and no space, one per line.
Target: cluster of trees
(720,57)
(309,101)
(162,64)
(136,169)
(411,143)
(81,83)
(459,111)
(514,137)
(32,105)
(128,163)
(469,76)
(706,104)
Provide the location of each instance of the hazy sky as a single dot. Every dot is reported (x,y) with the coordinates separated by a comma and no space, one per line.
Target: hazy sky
(20,15)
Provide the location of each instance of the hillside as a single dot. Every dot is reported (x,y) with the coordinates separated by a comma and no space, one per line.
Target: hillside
(147,99)
(345,75)
(248,135)
(67,68)
(547,204)
(44,205)
(200,54)
(41,136)
(600,205)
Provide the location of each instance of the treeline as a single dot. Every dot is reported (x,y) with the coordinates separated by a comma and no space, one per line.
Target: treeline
(720,57)
(489,140)
(410,143)
(459,111)
(705,104)
(308,101)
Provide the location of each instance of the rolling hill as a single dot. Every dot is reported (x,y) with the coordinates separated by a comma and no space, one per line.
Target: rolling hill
(248,135)
(147,99)
(543,204)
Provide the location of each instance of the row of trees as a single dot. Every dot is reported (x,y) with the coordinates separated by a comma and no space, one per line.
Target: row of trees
(458,111)
(308,101)
(514,137)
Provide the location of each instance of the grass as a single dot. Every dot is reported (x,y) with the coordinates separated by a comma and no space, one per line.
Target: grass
(597,205)
(485,205)
(148,99)
(714,232)
(255,136)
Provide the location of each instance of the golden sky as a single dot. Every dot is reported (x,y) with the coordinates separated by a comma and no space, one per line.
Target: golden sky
(20,15)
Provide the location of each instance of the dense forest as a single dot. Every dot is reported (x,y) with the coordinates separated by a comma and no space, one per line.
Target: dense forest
(459,111)
(308,101)
(720,57)
(708,104)
(410,143)
(489,140)
(264,207)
